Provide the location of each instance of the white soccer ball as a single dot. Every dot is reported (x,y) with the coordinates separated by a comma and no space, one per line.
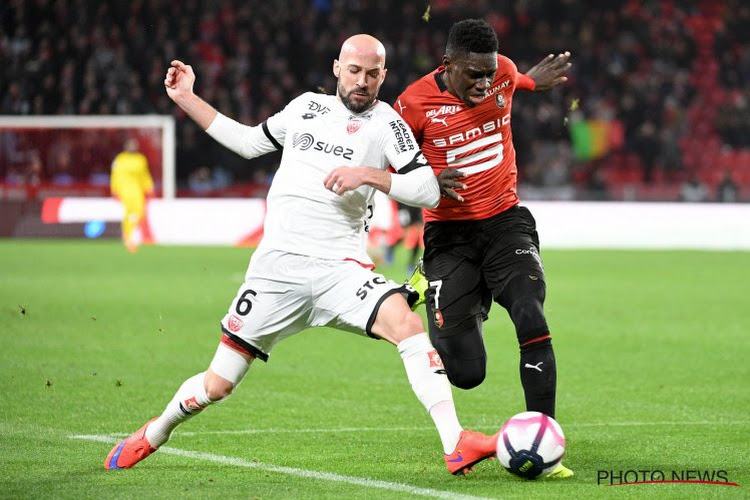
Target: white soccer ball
(530,444)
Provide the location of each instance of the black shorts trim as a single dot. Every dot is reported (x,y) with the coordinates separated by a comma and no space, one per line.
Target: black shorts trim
(254,350)
(270,137)
(371,321)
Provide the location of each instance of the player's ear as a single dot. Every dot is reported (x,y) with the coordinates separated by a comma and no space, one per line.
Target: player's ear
(336,68)
(382,75)
(446,61)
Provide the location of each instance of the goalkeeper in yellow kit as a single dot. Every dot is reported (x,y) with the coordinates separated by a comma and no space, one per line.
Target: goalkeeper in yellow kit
(131,183)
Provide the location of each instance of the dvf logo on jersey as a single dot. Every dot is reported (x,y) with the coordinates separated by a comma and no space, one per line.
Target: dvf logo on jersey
(235,323)
(500,100)
(353,125)
(435,361)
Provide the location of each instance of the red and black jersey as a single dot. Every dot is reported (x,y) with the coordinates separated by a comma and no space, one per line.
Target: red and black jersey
(476,140)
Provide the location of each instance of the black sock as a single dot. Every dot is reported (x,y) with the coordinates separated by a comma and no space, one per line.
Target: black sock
(539,376)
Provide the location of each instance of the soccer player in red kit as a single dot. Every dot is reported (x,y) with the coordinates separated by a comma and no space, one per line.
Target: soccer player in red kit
(480,244)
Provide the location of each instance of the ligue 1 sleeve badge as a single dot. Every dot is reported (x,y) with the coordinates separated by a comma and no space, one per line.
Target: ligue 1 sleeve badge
(353,124)
(500,100)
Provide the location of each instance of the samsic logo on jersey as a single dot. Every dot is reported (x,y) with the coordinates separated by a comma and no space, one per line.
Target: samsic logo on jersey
(490,127)
(305,141)
(403,138)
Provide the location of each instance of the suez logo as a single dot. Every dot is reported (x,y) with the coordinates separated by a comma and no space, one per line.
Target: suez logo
(486,128)
(305,141)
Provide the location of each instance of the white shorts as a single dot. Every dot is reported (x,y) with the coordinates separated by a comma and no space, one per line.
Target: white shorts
(285,293)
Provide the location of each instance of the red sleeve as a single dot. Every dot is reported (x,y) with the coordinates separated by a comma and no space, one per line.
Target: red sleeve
(525,82)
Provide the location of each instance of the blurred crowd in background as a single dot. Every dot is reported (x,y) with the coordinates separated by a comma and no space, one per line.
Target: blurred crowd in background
(656,107)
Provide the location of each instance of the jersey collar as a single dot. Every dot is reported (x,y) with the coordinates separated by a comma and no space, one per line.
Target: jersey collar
(439,79)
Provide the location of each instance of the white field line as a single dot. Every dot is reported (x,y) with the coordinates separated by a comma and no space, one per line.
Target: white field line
(293,471)
(717,423)
(430,428)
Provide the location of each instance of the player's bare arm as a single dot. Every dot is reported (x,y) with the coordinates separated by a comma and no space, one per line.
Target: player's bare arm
(550,72)
(449,184)
(179,84)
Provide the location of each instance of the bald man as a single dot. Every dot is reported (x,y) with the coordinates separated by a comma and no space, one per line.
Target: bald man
(311,268)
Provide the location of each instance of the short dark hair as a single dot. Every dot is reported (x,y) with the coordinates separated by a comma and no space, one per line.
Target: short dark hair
(472,35)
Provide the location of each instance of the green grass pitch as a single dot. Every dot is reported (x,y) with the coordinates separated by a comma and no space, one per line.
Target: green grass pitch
(653,353)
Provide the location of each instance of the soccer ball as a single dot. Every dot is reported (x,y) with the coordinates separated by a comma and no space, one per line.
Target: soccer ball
(530,444)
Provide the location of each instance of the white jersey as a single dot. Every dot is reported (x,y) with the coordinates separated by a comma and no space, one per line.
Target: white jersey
(318,134)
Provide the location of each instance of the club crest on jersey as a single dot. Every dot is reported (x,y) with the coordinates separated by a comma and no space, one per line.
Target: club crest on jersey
(500,100)
(235,323)
(437,317)
(353,124)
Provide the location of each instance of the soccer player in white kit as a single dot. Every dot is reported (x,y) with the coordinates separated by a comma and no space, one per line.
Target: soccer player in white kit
(311,267)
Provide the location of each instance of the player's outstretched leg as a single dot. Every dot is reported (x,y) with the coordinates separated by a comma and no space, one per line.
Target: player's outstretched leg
(227,369)
(191,398)
(462,448)
(424,369)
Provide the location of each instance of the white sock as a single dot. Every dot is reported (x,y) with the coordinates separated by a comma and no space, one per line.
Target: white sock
(446,421)
(189,400)
(425,371)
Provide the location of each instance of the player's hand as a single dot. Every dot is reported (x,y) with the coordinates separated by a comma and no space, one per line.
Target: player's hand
(343,179)
(179,80)
(448,184)
(550,72)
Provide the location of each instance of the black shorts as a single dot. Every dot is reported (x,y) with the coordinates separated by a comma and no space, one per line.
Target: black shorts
(469,263)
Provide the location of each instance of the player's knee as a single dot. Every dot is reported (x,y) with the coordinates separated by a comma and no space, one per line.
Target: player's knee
(218,388)
(461,348)
(467,374)
(413,324)
(524,300)
(408,325)
(395,322)
(227,370)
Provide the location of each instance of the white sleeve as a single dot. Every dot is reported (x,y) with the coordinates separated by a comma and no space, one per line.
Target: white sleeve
(398,142)
(245,140)
(418,187)
(415,184)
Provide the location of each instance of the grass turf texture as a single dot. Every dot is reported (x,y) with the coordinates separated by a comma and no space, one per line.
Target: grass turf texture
(652,352)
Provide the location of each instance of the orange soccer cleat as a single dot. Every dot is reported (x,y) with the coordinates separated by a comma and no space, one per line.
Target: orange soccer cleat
(130,450)
(472,448)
